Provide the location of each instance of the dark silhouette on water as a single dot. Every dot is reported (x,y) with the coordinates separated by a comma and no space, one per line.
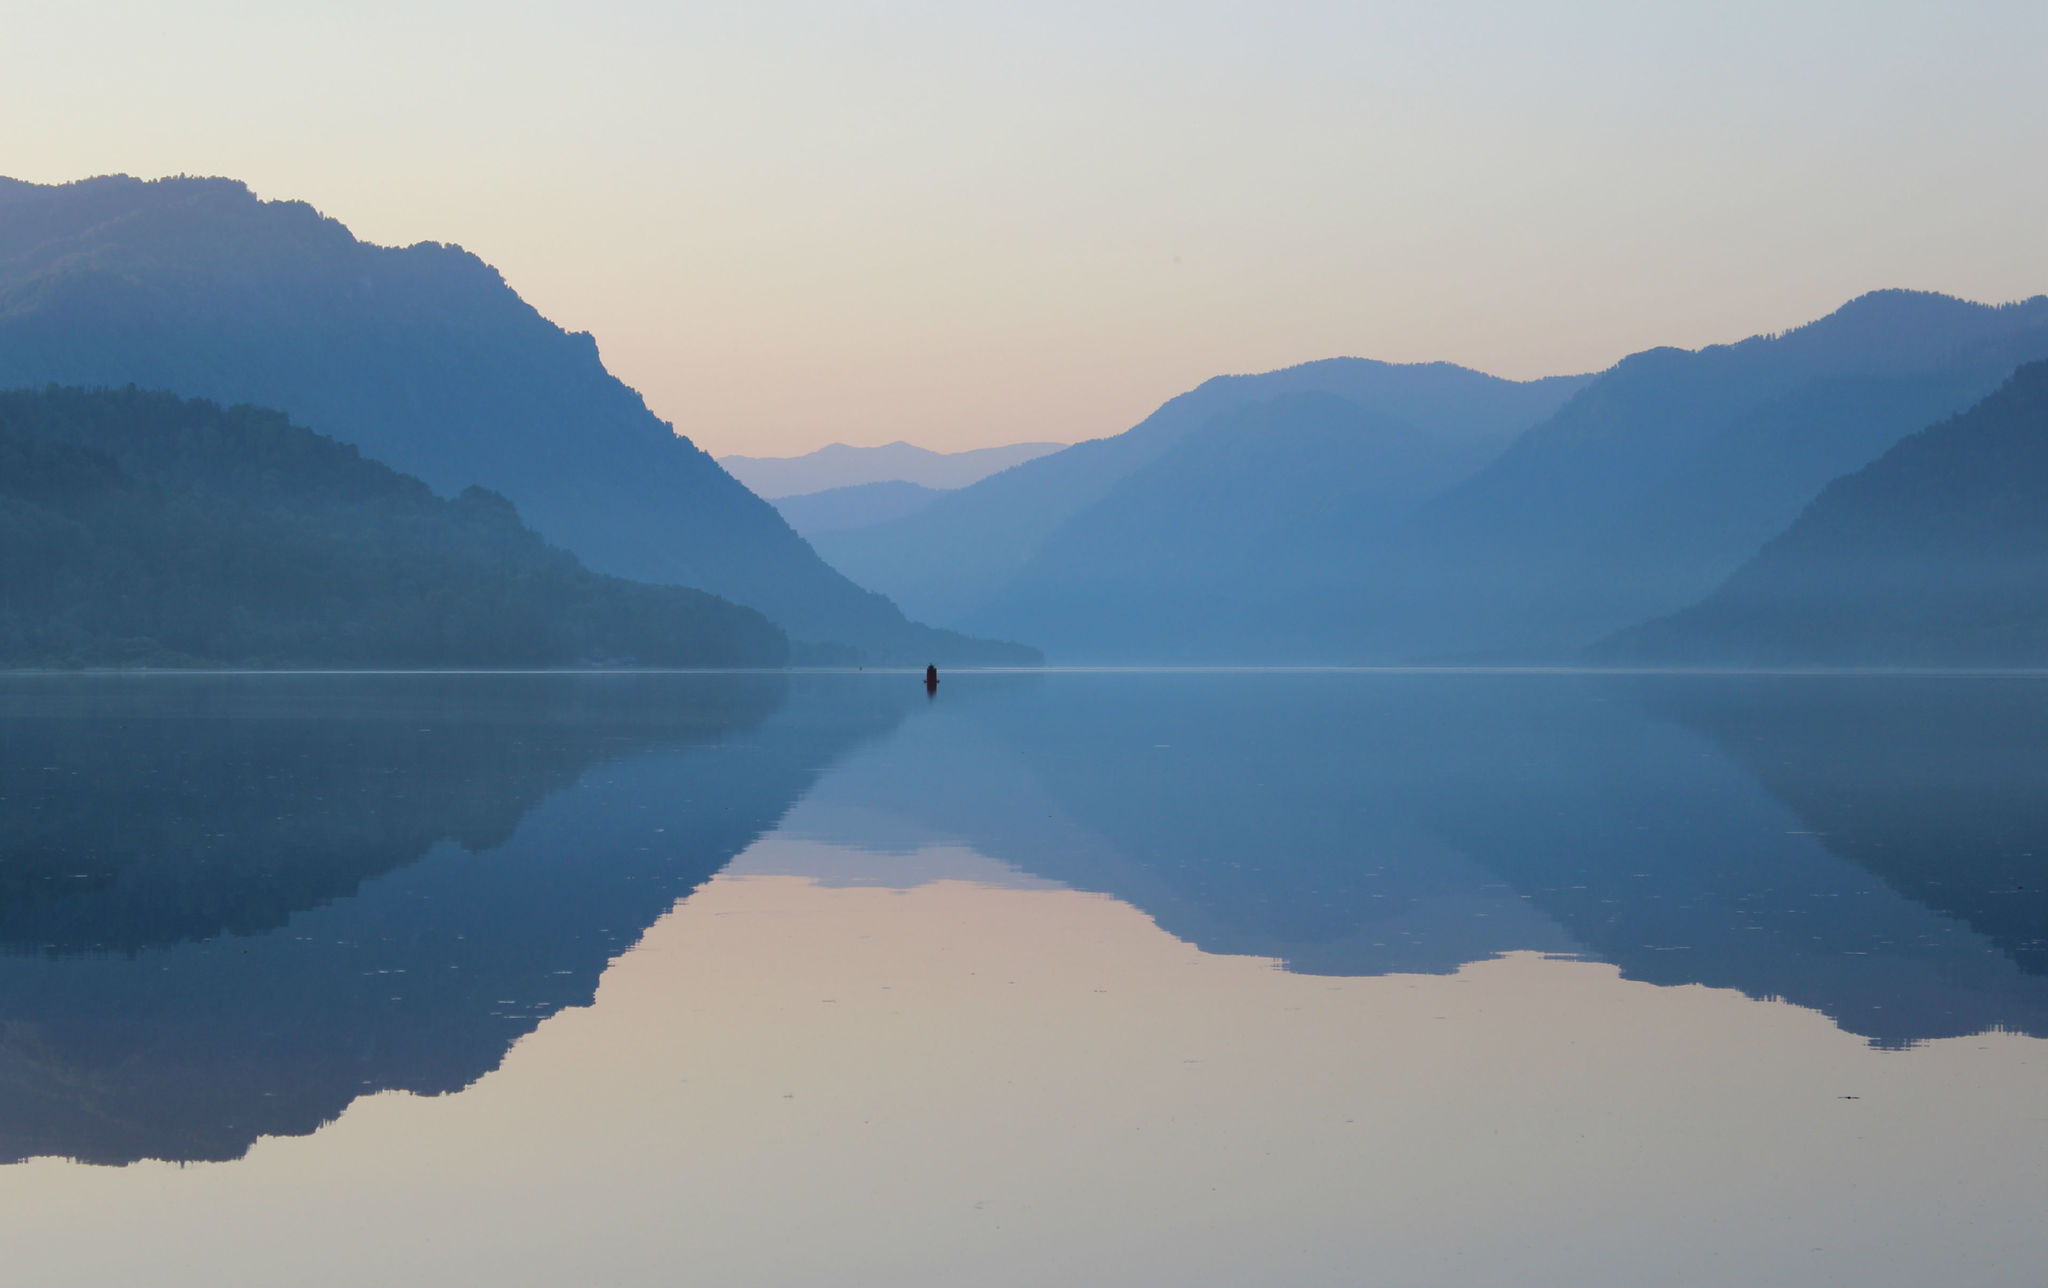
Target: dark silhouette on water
(931,681)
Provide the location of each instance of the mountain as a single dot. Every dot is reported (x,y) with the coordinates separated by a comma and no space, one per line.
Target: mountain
(422,357)
(955,560)
(839,465)
(1200,555)
(1935,554)
(857,506)
(1197,537)
(141,528)
(1663,476)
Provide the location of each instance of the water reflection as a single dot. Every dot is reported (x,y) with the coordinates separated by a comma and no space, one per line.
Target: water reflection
(794,1083)
(231,906)
(1865,847)
(1939,787)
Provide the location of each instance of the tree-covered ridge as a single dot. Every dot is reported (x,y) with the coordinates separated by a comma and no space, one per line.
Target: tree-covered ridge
(138,527)
(1935,554)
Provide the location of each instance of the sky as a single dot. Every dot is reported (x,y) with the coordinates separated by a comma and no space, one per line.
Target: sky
(969,224)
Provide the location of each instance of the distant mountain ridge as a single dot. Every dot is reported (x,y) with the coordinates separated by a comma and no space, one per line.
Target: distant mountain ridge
(839,465)
(954,560)
(425,359)
(1209,552)
(1249,522)
(1935,554)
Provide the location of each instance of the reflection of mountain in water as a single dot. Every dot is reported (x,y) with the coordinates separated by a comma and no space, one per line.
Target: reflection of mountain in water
(1940,787)
(235,904)
(175,808)
(230,905)
(1365,824)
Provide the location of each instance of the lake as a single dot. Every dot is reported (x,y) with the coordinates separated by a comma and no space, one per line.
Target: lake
(1102,978)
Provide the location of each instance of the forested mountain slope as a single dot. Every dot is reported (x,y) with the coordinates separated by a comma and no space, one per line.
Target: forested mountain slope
(1668,472)
(1936,554)
(139,528)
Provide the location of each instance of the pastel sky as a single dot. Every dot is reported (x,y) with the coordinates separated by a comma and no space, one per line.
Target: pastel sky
(961,224)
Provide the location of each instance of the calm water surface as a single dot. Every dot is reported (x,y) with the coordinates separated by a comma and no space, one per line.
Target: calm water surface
(1122,979)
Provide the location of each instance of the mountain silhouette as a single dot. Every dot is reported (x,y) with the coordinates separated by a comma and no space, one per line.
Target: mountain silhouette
(1204,535)
(1935,554)
(424,358)
(1199,555)
(955,560)
(1667,473)
(839,466)
(142,528)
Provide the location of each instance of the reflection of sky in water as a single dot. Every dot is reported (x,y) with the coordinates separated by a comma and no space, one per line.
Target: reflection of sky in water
(1274,979)
(789,1082)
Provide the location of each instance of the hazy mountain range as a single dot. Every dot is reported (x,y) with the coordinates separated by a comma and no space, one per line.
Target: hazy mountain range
(840,466)
(1934,554)
(1352,512)
(422,357)
(956,559)
(1339,511)
(1662,477)
(839,487)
